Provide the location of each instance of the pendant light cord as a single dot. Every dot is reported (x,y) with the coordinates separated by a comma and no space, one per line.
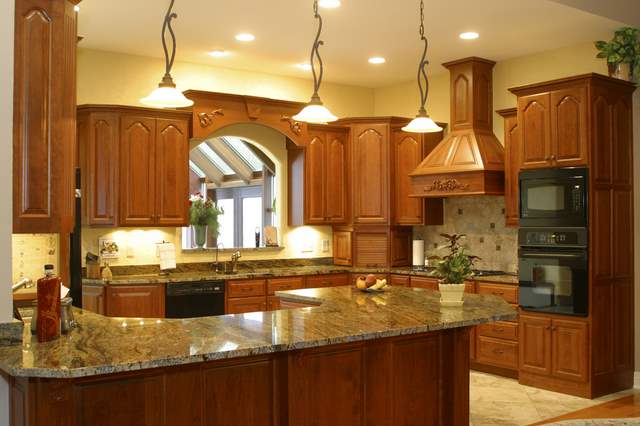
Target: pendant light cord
(167,80)
(423,81)
(315,54)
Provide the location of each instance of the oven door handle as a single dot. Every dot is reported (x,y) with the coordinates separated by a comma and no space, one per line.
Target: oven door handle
(574,255)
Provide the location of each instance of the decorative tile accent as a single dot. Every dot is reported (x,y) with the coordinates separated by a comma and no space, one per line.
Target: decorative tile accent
(483,222)
(11,333)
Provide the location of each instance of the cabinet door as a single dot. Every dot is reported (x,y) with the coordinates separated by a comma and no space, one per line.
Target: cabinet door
(511,170)
(535,344)
(172,172)
(535,131)
(93,299)
(424,282)
(246,304)
(400,280)
(138,301)
(284,284)
(315,169)
(100,168)
(329,280)
(44,116)
(407,154)
(370,171)
(569,139)
(137,171)
(342,248)
(570,357)
(336,178)
(371,249)
(401,247)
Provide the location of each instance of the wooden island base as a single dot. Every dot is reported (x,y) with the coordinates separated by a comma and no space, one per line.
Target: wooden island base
(420,379)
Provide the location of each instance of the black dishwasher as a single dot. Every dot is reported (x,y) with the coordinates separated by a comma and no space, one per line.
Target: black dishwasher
(194,299)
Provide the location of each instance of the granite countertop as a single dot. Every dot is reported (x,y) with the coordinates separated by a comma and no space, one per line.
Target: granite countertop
(102,345)
(278,272)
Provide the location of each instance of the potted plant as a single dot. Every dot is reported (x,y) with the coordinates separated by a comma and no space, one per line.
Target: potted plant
(453,269)
(202,214)
(622,54)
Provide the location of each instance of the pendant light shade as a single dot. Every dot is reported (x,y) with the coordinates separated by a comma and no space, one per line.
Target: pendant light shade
(315,111)
(422,123)
(167,95)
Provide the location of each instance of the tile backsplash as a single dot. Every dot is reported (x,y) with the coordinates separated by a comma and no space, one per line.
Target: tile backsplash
(481,218)
(30,252)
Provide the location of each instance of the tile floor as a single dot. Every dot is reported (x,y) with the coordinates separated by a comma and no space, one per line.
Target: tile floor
(500,401)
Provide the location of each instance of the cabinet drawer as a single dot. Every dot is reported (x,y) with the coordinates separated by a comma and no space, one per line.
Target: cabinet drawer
(331,280)
(245,288)
(498,352)
(246,304)
(424,282)
(508,292)
(500,329)
(400,280)
(283,284)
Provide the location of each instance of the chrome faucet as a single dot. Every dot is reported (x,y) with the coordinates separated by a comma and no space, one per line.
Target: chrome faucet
(216,267)
(25,282)
(234,261)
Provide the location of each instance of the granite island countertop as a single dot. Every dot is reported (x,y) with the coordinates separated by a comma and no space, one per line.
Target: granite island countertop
(102,345)
(280,272)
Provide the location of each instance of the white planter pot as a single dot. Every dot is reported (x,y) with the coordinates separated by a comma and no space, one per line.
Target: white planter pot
(451,294)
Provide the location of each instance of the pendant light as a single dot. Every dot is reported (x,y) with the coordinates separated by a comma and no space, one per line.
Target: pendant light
(422,123)
(315,111)
(166,95)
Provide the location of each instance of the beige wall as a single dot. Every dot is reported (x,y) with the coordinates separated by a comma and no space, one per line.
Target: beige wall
(114,78)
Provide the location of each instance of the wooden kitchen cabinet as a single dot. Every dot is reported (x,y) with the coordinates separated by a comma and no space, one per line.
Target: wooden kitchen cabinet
(554,347)
(135,165)
(246,304)
(284,284)
(381,246)
(138,301)
(511,166)
(93,298)
(328,280)
(342,249)
(44,116)
(400,280)
(245,288)
(322,168)
(425,282)
(553,128)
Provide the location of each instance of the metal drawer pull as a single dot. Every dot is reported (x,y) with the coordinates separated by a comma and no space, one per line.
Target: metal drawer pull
(498,351)
(498,329)
(498,293)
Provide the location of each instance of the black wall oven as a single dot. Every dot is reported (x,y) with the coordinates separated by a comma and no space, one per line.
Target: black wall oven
(553,269)
(553,197)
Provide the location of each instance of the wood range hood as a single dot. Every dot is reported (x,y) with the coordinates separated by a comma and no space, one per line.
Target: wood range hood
(470,159)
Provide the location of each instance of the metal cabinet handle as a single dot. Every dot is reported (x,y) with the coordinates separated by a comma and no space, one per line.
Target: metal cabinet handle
(498,293)
(498,351)
(553,158)
(498,329)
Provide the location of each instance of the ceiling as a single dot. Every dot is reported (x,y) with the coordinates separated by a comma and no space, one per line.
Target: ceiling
(357,30)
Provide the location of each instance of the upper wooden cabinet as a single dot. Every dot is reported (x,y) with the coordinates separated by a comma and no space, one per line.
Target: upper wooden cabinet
(135,166)
(553,124)
(318,178)
(370,168)
(511,166)
(44,121)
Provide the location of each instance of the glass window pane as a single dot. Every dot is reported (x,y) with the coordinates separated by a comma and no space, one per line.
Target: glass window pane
(226,223)
(251,219)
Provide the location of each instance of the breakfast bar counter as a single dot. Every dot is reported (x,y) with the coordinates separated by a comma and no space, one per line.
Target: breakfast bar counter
(348,357)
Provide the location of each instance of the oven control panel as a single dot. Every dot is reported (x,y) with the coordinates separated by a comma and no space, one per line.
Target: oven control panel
(552,237)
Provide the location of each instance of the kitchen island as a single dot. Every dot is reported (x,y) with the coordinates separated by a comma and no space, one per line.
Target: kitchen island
(350,359)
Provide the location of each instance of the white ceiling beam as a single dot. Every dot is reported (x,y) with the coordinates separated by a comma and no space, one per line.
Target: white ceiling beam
(212,173)
(232,159)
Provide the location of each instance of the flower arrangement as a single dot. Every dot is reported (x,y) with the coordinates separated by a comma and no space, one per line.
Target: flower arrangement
(624,48)
(457,266)
(204,213)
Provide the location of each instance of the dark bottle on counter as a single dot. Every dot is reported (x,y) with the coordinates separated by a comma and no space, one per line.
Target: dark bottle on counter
(48,316)
(257,232)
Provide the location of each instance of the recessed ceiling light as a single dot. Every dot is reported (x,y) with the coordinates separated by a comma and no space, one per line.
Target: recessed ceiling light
(219,53)
(76,8)
(377,60)
(245,37)
(329,4)
(304,66)
(470,35)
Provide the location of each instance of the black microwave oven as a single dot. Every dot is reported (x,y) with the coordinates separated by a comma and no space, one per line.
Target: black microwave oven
(554,197)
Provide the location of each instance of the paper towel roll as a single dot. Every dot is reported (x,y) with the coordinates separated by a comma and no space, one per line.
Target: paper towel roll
(418,252)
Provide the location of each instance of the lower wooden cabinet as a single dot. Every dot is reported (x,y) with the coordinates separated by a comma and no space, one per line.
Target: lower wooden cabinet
(399,280)
(330,280)
(554,347)
(284,284)
(93,299)
(424,282)
(137,301)
(497,352)
(243,305)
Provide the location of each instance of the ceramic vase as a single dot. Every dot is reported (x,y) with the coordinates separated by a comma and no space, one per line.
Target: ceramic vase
(451,294)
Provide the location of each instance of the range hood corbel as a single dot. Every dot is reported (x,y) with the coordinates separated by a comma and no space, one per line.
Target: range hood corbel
(470,159)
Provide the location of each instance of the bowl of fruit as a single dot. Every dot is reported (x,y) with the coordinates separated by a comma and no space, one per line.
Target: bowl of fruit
(371,284)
